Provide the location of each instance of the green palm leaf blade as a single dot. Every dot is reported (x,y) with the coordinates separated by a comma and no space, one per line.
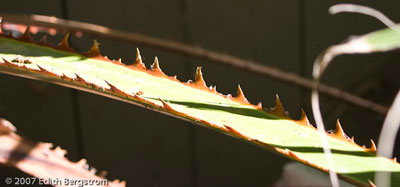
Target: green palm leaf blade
(193,102)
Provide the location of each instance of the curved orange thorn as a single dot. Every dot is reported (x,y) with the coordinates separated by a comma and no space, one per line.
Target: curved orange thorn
(26,36)
(8,63)
(94,50)
(214,89)
(199,81)
(372,149)
(44,70)
(240,96)
(138,61)
(79,79)
(339,133)
(43,40)
(259,106)
(166,105)
(304,120)
(116,90)
(155,68)
(279,110)
(63,45)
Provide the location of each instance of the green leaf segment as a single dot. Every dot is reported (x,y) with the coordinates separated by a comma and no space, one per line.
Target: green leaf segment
(385,39)
(192,101)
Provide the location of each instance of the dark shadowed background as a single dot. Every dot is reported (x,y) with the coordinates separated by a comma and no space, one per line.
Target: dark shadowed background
(146,148)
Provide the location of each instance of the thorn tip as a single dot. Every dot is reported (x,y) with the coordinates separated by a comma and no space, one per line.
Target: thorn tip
(64,42)
(279,110)
(240,96)
(166,105)
(199,81)
(339,133)
(26,35)
(94,50)
(138,61)
(304,120)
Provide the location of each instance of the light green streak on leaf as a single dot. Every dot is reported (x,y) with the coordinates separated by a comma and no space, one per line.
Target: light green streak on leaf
(350,161)
(385,39)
